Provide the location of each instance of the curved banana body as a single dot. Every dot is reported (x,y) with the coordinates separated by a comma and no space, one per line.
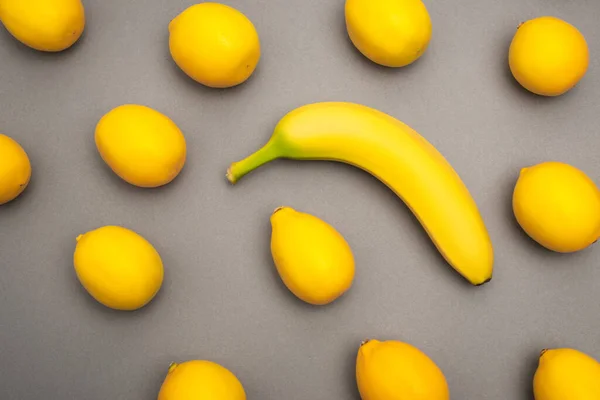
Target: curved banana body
(399,157)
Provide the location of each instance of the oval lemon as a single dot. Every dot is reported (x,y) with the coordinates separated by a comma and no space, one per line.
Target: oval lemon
(15,169)
(393,33)
(214,44)
(141,145)
(314,261)
(393,370)
(566,374)
(200,380)
(558,206)
(548,56)
(118,267)
(45,25)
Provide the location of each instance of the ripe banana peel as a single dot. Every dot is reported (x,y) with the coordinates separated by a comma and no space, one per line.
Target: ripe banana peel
(400,158)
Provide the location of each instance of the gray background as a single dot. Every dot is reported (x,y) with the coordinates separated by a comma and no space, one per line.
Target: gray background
(222,299)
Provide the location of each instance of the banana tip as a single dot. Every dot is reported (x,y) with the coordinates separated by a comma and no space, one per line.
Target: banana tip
(484,282)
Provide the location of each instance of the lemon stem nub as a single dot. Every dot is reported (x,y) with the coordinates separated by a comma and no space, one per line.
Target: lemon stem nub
(278,209)
(238,169)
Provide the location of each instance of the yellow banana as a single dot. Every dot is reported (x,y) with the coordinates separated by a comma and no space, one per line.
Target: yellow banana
(399,157)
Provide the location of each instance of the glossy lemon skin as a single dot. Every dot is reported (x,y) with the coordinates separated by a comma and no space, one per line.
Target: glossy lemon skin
(394,370)
(214,44)
(548,56)
(141,145)
(118,267)
(558,206)
(566,374)
(313,259)
(45,25)
(392,33)
(399,157)
(15,169)
(201,380)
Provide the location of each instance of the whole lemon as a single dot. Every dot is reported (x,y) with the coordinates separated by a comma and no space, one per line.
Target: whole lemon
(393,33)
(45,25)
(548,56)
(314,261)
(214,44)
(141,145)
(200,380)
(118,267)
(15,169)
(566,374)
(558,206)
(394,370)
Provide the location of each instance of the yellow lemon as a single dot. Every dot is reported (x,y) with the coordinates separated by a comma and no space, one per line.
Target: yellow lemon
(548,56)
(118,267)
(200,380)
(393,370)
(558,206)
(566,374)
(141,145)
(314,261)
(45,25)
(15,169)
(214,44)
(393,33)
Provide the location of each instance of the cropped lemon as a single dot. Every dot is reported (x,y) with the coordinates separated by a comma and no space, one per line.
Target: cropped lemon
(141,145)
(15,169)
(45,25)
(393,370)
(214,44)
(200,380)
(566,374)
(393,33)
(548,56)
(558,206)
(118,267)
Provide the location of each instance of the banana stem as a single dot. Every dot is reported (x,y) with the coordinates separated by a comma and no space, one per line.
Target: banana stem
(238,169)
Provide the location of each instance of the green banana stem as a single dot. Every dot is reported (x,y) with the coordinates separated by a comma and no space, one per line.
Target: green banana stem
(238,169)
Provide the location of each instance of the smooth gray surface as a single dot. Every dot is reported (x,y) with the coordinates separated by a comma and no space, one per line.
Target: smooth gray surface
(222,299)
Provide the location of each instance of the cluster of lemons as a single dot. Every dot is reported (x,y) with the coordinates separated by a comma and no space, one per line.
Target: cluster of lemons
(217,46)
